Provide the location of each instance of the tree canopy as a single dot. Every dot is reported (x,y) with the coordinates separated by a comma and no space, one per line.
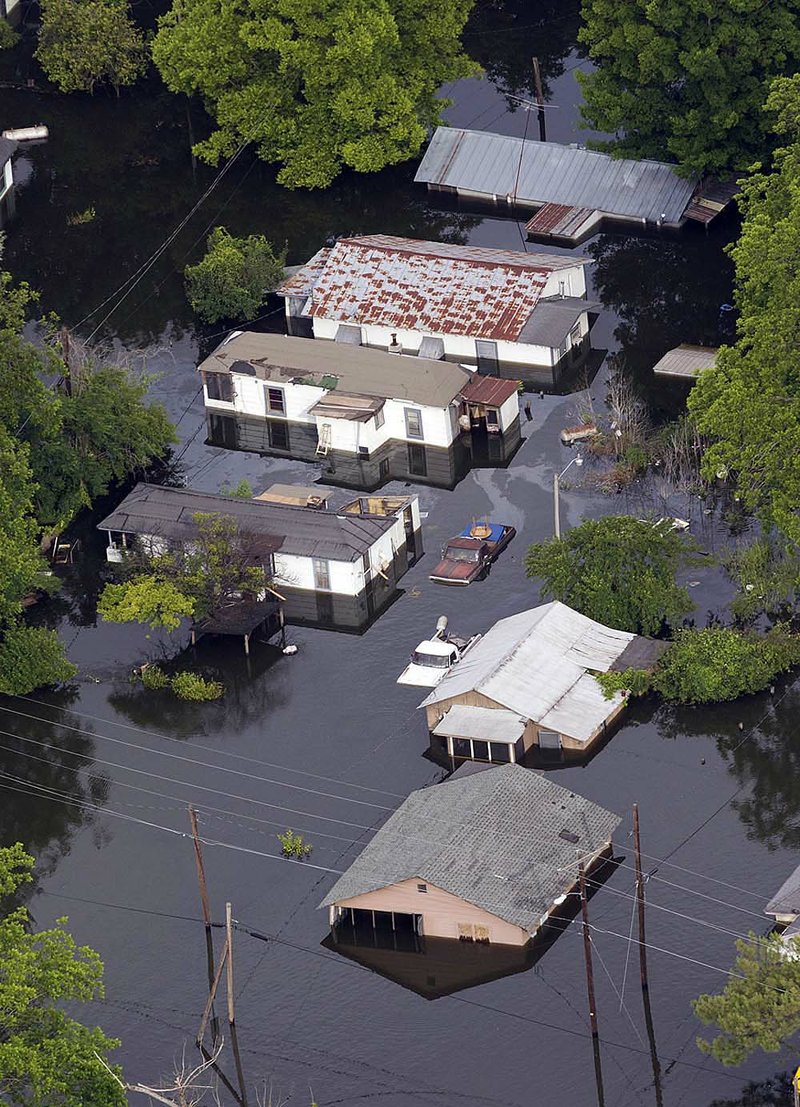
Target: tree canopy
(317,86)
(685,80)
(748,405)
(86,43)
(234,277)
(618,570)
(47,1057)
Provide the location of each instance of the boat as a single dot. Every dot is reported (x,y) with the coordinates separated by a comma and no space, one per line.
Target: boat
(468,555)
(435,657)
(37,133)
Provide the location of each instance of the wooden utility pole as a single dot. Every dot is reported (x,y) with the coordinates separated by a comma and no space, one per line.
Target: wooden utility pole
(231,1013)
(537,82)
(648,1014)
(587,953)
(201,880)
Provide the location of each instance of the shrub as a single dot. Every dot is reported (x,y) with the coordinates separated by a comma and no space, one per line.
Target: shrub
(31,657)
(234,277)
(154,678)
(191,686)
(294,845)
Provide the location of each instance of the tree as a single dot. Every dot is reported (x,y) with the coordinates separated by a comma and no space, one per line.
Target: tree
(317,86)
(86,43)
(30,658)
(748,406)
(618,570)
(20,560)
(47,1057)
(767,573)
(234,277)
(760,1006)
(719,663)
(687,79)
(145,599)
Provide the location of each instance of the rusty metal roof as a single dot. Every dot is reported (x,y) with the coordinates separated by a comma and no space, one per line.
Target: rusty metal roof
(491,391)
(302,278)
(434,287)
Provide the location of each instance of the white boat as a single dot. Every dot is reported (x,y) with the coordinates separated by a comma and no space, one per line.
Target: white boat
(435,657)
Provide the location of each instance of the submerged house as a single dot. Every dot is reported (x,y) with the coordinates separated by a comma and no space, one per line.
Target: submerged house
(575,190)
(511,314)
(366,415)
(784,907)
(528,682)
(331,568)
(485,857)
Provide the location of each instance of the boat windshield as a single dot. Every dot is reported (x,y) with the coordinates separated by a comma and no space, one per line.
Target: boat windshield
(458,553)
(432,660)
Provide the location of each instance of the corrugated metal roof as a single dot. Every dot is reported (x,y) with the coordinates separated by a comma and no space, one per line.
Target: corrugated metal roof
(686,361)
(434,287)
(786,900)
(535,664)
(482,723)
(491,838)
(302,278)
(548,172)
(354,369)
(152,509)
(562,221)
(552,321)
(491,391)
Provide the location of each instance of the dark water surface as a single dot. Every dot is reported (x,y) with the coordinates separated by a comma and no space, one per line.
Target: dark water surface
(325,741)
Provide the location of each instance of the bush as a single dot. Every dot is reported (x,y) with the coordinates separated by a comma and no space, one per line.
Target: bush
(294,845)
(233,279)
(31,657)
(89,43)
(154,678)
(191,686)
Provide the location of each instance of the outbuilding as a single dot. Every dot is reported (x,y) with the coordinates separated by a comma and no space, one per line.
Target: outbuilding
(489,856)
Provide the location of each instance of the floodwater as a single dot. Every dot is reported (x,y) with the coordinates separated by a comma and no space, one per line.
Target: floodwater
(96,779)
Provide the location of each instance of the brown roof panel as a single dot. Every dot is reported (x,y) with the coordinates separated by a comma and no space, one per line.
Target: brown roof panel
(490,391)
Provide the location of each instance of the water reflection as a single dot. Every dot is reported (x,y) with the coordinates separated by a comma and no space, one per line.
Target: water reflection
(774,1092)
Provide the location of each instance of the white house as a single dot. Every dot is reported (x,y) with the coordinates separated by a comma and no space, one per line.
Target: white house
(334,568)
(512,314)
(367,415)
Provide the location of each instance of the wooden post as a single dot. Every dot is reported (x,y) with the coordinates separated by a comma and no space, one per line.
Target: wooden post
(201,880)
(587,954)
(648,1013)
(537,81)
(231,1013)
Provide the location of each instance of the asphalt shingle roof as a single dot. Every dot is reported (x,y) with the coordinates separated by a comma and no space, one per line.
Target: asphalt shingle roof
(491,838)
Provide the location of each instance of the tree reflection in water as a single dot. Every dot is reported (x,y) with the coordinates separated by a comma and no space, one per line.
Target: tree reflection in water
(775,1092)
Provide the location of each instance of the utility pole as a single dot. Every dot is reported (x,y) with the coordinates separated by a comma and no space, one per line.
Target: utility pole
(537,82)
(556,507)
(648,1014)
(231,1013)
(201,880)
(587,953)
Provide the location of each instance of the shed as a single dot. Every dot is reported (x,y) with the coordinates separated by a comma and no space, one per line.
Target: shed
(686,362)
(242,619)
(487,857)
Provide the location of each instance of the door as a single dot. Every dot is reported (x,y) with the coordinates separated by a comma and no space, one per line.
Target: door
(486,354)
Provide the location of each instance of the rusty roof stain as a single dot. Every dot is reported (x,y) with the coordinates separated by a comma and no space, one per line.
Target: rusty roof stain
(434,287)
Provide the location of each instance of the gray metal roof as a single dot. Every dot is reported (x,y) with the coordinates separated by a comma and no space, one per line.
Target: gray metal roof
(786,900)
(151,509)
(482,723)
(552,320)
(686,361)
(491,838)
(354,369)
(7,148)
(549,172)
(538,664)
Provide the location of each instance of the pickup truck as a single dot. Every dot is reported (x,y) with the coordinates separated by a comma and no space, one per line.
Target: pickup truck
(433,659)
(467,557)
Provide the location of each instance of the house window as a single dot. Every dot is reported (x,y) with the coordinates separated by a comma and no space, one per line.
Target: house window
(422,887)
(575,340)
(276,402)
(383,469)
(322,576)
(380,418)
(486,356)
(499,751)
(413,423)
(278,434)
(562,350)
(480,750)
(222,431)
(365,565)
(219,386)
(492,418)
(549,740)
(417,463)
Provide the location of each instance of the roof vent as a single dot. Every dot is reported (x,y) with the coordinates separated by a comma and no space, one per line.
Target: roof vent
(568,836)
(395,347)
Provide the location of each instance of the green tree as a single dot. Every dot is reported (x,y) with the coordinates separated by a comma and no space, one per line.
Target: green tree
(20,560)
(760,1006)
(87,43)
(47,1058)
(234,277)
(618,570)
(748,406)
(30,658)
(687,79)
(767,575)
(317,86)
(145,599)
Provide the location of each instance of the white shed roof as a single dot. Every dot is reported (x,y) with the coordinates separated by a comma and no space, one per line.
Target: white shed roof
(482,723)
(535,665)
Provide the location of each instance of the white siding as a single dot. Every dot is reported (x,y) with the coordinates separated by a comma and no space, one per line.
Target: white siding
(509,411)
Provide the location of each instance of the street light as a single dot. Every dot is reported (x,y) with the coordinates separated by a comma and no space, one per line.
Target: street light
(577,460)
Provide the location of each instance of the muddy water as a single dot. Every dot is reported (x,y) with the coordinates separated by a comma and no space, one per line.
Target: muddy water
(325,741)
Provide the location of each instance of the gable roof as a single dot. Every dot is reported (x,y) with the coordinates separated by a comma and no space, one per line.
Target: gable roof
(491,838)
(333,365)
(786,900)
(535,664)
(435,287)
(549,172)
(152,509)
